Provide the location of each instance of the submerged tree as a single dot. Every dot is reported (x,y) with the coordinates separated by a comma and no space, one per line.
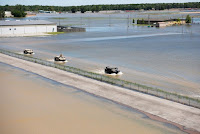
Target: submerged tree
(83,9)
(133,21)
(188,19)
(142,21)
(74,9)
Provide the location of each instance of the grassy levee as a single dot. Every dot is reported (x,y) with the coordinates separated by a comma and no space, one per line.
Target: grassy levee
(114,81)
(55,33)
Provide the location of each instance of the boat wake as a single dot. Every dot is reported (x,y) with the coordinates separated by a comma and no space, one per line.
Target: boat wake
(103,73)
(52,60)
(25,54)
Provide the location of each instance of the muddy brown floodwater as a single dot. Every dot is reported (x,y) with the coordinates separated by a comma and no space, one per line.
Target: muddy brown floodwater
(31,104)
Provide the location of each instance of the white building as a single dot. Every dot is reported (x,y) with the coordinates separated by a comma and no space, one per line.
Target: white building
(23,27)
(8,14)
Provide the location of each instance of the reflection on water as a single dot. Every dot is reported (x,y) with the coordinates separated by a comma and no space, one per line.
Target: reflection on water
(35,105)
(122,37)
(166,58)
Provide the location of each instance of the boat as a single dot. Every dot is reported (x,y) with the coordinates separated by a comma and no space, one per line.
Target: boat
(111,70)
(60,58)
(28,51)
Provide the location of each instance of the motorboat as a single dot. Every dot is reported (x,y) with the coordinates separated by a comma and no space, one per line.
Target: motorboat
(111,70)
(28,51)
(60,58)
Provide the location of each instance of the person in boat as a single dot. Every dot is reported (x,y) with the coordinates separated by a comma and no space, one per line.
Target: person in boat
(28,51)
(110,70)
(60,58)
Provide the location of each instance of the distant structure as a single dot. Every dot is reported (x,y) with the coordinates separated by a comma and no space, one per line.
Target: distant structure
(161,22)
(42,11)
(29,14)
(26,27)
(70,29)
(8,14)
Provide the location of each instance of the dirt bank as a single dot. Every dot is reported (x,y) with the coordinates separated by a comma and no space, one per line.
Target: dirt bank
(187,117)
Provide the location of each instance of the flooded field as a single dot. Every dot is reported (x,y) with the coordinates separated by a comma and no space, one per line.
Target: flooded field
(32,104)
(166,58)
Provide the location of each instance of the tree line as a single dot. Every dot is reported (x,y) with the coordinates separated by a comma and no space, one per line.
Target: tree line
(97,8)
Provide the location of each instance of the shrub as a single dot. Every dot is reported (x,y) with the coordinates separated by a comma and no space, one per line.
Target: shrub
(188,19)
(142,21)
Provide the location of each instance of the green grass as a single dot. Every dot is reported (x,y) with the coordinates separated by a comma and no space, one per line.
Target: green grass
(141,24)
(55,33)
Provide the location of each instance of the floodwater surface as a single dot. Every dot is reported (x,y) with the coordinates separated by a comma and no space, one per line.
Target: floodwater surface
(166,58)
(31,104)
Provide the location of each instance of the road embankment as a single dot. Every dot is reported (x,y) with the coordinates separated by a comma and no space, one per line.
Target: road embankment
(187,118)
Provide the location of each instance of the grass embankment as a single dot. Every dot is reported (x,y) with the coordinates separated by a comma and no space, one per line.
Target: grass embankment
(55,33)
(141,25)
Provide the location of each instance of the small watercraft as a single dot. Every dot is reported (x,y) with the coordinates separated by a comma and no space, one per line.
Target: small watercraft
(111,70)
(60,58)
(28,51)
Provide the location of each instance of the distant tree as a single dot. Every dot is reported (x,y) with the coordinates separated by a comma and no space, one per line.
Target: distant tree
(142,21)
(133,21)
(19,7)
(178,20)
(18,13)
(2,14)
(83,9)
(51,8)
(188,19)
(97,8)
(93,9)
(138,21)
(74,9)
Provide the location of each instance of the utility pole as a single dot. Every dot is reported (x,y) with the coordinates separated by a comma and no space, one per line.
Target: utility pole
(89,22)
(128,21)
(192,20)
(59,21)
(109,21)
(182,24)
(191,28)
(81,20)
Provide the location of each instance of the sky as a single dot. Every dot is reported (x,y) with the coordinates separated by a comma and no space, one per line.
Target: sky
(86,2)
